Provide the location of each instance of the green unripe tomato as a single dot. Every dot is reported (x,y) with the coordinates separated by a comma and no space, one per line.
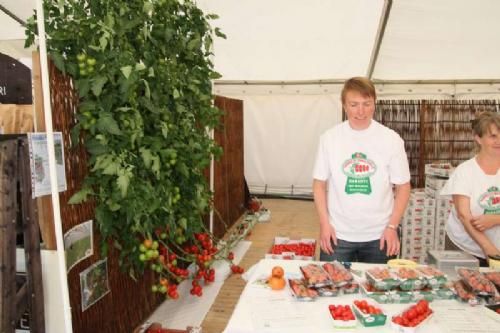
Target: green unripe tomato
(142,257)
(91,61)
(154,288)
(150,254)
(163,235)
(81,57)
(155,245)
(142,248)
(83,72)
(82,65)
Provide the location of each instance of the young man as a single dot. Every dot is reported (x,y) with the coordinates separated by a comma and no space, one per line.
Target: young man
(357,164)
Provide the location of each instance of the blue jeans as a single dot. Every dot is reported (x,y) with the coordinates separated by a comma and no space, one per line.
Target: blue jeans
(356,251)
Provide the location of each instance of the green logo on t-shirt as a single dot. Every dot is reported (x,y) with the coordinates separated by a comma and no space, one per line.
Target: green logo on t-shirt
(490,201)
(358,170)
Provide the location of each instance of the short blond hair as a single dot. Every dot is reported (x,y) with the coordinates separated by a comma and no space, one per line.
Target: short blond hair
(482,124)
(361,85)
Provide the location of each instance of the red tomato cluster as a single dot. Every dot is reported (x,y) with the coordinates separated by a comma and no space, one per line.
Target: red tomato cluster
(497,310)
(337,272)
(237,269)
(341,312)
(196,290)
(364,307)
(476,281)
(414,315)
(301,249)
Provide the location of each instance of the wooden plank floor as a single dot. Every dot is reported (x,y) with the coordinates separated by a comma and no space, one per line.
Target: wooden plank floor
(289,218)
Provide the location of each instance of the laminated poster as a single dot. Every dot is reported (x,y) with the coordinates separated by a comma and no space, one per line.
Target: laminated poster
(78,244)
(39,163)
(94,283)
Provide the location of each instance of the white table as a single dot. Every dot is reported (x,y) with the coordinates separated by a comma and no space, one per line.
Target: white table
(262,310)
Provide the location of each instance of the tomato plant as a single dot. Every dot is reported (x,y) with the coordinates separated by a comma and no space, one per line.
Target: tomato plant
(143,73)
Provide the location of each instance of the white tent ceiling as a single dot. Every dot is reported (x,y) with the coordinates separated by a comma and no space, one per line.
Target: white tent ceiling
(294,40)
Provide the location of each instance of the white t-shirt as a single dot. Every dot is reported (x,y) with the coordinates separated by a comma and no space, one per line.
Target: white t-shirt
(483,190)
(360,167)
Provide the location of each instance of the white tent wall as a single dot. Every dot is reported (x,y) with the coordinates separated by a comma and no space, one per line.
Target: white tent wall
(281,133)
(282,125)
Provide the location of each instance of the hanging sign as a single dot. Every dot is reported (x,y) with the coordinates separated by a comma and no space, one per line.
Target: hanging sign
(15,81)
(39,163)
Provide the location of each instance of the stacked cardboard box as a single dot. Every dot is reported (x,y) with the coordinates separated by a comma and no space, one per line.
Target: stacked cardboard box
(423,224)
(418,226)
(436,176)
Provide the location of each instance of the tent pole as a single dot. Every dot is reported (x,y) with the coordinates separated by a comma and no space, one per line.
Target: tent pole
(52,168)
(12,15)
(379,37)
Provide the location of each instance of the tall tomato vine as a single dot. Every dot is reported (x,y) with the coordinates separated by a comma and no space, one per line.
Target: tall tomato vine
(143,73)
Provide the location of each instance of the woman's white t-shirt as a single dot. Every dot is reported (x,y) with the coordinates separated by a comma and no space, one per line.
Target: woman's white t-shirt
(483,190)
(360,167)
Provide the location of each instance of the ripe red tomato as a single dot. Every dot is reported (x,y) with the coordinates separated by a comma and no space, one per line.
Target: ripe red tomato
(398,320)
(411,314)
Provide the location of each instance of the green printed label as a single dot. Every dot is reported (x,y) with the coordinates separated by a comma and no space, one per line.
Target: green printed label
(490,201)
(358,170)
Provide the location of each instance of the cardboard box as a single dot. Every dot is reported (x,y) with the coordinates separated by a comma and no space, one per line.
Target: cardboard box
(435,182)
(439,169)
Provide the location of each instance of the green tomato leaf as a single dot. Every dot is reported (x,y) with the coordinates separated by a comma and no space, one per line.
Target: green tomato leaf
(156,166)
(95,147)
(122,182)
(106,123)
(58,60)
(80,196)
(176,94)
(215,75)
(147,157)
(148,7)
(97,84)
(219,33)
(103,42)
(147,92)
(83,86)
(140,66)
(126,70)
(111,169)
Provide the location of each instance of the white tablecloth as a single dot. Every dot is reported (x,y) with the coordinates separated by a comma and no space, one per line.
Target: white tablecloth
(263,310)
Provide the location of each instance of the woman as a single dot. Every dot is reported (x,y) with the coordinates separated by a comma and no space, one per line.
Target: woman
(474,223)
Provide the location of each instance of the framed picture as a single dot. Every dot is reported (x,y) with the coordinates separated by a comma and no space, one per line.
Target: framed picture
(78,244)
(94,283)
